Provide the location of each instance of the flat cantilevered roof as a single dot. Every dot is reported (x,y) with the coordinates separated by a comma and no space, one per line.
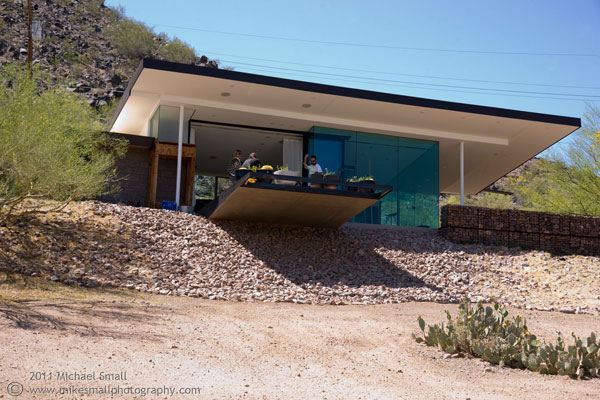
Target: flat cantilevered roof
(496,140)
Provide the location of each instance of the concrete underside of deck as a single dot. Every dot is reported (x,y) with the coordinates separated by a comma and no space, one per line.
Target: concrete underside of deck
(292,206)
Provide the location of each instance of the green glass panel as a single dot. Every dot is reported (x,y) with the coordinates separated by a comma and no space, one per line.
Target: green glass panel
(409,165)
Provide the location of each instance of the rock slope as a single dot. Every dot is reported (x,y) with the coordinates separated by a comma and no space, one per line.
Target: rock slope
(73,45)
(164,252)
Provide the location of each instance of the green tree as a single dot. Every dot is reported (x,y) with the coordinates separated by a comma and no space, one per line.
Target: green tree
(52,147)
(567,181)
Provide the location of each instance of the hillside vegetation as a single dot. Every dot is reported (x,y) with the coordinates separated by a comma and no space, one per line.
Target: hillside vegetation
(57,153)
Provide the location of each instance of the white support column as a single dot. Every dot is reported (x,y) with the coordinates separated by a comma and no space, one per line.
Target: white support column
(193,141)
(462,173)
(179,151)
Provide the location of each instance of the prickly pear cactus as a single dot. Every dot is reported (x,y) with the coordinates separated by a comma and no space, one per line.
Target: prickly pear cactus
(488,333)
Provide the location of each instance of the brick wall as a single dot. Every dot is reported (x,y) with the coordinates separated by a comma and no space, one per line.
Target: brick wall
(133,173)
(167,179)
(555,233)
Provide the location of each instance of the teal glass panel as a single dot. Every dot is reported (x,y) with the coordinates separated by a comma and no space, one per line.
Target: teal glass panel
(377,157)
(330,148)
(409,165)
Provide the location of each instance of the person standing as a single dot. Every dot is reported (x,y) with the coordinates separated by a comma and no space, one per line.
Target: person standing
(313,167)
(234,164)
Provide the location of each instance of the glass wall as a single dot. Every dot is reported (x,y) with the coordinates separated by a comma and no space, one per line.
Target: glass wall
(409,165)
(164,124)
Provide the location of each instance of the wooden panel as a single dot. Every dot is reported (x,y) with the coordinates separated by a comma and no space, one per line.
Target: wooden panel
(294,208)
(169,149)
(189,181)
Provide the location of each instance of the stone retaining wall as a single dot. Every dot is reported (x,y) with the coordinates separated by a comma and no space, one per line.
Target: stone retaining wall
(555,233)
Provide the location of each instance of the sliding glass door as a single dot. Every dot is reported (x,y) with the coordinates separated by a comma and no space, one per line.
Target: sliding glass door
(409,165)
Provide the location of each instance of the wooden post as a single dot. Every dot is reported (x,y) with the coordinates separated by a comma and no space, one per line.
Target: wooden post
(189,181)
(152,177)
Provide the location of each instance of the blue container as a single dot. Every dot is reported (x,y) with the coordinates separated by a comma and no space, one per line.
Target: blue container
(169,205)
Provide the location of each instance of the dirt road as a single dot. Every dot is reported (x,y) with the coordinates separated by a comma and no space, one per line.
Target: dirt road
(249,350)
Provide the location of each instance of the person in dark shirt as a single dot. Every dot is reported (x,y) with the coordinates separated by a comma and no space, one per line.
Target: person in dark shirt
(234,164)
(251,161)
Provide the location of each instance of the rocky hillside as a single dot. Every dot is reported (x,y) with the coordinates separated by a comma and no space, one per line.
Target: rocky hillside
(504,184)
(87,44)
(159,251)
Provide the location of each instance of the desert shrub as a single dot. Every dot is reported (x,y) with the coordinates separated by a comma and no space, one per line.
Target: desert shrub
(497,201)
(93,7)
(177,51)
(52,147)
(132,39)
(488,333)
(106,111)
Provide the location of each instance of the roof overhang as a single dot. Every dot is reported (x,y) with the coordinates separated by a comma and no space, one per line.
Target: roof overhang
(496,140)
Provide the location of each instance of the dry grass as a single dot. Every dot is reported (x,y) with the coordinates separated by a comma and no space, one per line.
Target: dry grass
(17,288)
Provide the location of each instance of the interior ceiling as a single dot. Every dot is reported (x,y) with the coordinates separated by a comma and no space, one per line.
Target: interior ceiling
(494,145)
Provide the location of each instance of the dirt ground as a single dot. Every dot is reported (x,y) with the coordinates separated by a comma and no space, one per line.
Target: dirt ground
(246,350)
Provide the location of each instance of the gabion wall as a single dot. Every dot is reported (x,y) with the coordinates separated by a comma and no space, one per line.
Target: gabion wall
(555,233)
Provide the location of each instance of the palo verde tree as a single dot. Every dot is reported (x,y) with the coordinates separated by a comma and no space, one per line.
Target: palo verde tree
(52,147)
(567,181)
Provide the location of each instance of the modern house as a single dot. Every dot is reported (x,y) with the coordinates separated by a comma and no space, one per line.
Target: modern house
(184,122)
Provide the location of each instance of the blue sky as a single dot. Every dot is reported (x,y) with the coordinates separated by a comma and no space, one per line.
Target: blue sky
(541,56)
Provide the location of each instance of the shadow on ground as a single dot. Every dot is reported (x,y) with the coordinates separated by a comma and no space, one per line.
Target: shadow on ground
(331,257)
(85,318)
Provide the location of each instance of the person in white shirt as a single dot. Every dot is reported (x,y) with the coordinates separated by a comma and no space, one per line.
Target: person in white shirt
(313,167)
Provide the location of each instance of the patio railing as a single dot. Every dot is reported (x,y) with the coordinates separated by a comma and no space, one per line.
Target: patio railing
(325,186)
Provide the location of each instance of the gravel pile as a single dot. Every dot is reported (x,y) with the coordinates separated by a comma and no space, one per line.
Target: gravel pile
(165,252)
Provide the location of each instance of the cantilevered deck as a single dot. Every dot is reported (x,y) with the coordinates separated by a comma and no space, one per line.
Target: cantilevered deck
(293,203)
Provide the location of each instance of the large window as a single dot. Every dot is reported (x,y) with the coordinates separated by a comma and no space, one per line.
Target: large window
(164,124)
(210,187)
(216,144)
(409,165)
